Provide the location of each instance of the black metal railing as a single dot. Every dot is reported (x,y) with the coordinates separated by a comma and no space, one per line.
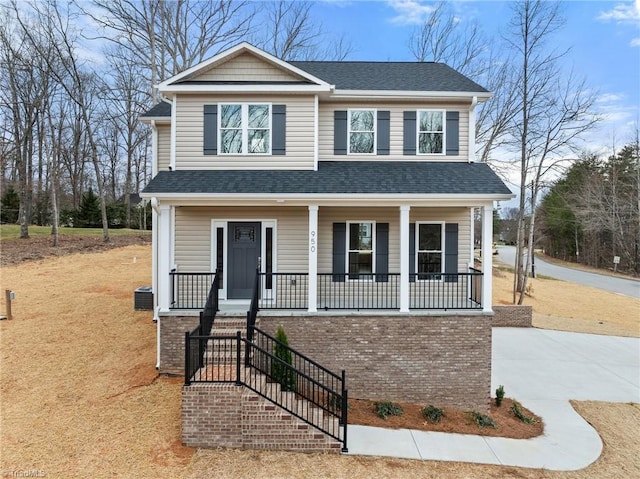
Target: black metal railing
(252,314)
(475,286)
(283,290)
(190,290)
(211,306)
(442,291)
(358,291)
(301,386)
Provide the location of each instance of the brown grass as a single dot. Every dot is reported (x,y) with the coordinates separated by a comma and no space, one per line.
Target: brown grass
(568,306)
(79,395)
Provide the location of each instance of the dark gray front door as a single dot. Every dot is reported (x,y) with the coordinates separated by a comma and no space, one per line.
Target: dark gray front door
(244,251)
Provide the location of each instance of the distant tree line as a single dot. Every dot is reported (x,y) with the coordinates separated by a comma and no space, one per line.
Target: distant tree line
(592,213)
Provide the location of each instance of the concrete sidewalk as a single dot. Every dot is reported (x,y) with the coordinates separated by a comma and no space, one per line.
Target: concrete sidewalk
(542,369)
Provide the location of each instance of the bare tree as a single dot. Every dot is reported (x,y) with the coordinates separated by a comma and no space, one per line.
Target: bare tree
(554,111)
(291,33)
(167,37)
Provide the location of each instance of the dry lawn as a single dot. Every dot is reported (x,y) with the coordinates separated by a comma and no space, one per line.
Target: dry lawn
(571,307)
(79,396)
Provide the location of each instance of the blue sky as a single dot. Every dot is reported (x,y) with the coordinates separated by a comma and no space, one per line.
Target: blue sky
(604,37)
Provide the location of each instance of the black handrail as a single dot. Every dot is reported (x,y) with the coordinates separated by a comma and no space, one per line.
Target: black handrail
(211,306)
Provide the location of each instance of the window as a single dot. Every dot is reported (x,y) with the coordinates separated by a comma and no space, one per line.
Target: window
(362,131)
(431,126)
(245,129)
(430,250)
(360,257)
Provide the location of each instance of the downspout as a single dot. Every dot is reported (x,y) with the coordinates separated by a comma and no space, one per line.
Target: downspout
(154,267)
(472,130)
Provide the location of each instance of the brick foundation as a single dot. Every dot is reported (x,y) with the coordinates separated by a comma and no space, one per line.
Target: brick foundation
(226,415)
(172,329)
(439,360)
(515,316)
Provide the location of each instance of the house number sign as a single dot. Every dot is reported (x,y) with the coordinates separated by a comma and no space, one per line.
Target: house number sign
(312,241)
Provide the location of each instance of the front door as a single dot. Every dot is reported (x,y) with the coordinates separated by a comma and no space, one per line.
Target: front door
(244,250)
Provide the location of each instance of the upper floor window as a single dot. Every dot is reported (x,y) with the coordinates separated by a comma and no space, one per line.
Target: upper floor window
(245,129)
(362,131)
(431,131)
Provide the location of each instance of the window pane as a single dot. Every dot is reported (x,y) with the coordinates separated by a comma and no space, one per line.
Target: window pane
(258,116)
(431,121)
(430,142)
(258,141)
(231,116)
(268,267)
(429,237)
(429,263)
(361,236)
(220,255)
(362,120)
(231,141)
(361,143)
(360,263)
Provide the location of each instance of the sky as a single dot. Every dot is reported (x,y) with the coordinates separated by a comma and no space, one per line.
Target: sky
(603,37)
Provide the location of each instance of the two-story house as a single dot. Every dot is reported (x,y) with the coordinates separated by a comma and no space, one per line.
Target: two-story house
(351,187)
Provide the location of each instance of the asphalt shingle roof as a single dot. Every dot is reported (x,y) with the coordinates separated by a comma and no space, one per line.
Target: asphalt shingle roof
(162,109)
(338,177)
(400,76)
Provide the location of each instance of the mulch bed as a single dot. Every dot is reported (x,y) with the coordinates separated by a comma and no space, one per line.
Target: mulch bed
(17,251)
(363,412)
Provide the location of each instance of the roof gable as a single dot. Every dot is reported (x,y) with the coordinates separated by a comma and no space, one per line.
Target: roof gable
(242,65)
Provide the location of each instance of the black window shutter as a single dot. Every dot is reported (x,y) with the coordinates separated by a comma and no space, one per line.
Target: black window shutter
(279,129)
(410,133)
(382,252)
(383,132)
(339,251)
(210,129)
(453,133)
(412,252)
(340,132)
(451,252)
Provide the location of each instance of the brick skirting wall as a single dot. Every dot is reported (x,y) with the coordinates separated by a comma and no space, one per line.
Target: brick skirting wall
(515,316)
(225,415)
(172,329)
(439,360)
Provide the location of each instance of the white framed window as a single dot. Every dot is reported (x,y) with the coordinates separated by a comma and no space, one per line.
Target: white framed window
(429,251)
(244,129)
(362,132)
(360,250)
(431,126)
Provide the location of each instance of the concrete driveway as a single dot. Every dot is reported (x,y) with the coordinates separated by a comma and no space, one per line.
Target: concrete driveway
(543,370)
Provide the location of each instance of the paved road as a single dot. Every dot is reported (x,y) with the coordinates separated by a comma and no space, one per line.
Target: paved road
(627,287)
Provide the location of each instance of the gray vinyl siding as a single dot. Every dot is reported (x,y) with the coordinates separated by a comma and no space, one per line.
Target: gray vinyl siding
(193,235)
(326,131)
(300,127)
(164,147)
(246,67)
(329,215)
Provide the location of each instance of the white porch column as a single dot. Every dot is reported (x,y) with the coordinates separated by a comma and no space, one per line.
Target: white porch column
(313,259)
(164,257)
(404,258)
(487,257)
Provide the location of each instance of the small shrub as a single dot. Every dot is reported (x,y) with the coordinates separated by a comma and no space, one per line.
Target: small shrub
(483,420)
(432,414)
(499,395)
(516,409)
(282,372)
(388,408)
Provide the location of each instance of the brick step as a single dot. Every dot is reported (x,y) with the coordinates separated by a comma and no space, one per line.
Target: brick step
(230,322)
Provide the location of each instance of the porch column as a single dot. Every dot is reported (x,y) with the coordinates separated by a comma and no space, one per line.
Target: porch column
(487,257)
(164,255)
(313,259)
(404,258)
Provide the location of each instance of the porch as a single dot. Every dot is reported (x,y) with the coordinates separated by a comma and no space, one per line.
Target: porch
(338,292)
